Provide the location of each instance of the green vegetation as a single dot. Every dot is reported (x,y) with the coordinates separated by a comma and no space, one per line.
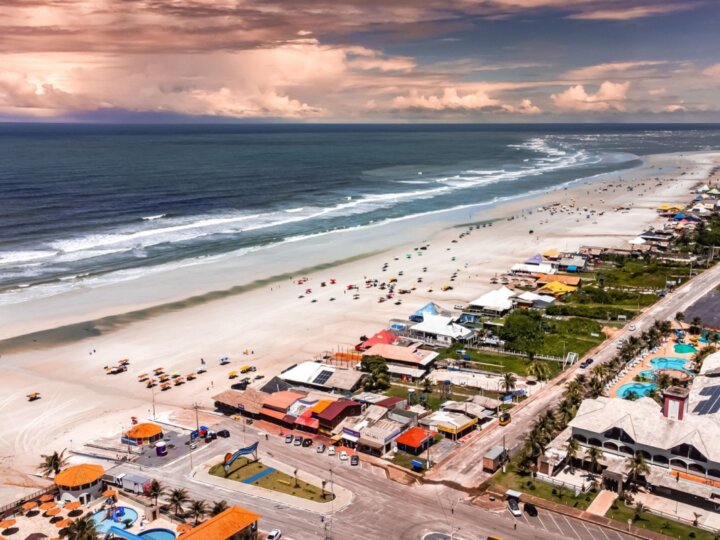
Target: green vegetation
(379,376)
(659,524)
(497,362)
(513,479)
(610,297)
(403,459)
(434,397)
(589,312)
(523,332)
(638,273)
(571,335)
(278,481)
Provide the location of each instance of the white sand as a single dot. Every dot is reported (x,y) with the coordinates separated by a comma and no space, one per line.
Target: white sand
(81,403)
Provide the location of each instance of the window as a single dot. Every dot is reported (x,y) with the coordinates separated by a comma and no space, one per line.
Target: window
(626,450)
(659,458)
(580,438)
(611,446)
(618,434)
(714,472)
(678,464)
(694,467)
(688,451)
(644,454)
(594,442)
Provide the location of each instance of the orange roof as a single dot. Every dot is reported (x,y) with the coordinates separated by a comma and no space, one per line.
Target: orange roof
(144,431)
(399,353)
(414,437)
(78,475)
(573,281)
(321,405)
(224,525)
(277,415)
(282,400)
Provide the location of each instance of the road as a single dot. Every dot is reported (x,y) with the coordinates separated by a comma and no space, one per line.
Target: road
(462,466)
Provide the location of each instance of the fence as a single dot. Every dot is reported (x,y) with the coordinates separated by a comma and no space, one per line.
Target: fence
(675,517)
(19,502)
(503,350)
(555,482)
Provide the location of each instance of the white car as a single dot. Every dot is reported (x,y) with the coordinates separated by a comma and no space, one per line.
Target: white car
(331,451)
(343,456)
(633,327)
(275,534)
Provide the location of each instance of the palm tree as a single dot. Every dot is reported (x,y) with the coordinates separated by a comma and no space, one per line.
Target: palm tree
(539,369)
(639,509)
(696,325)
(680,317)
(509,381)
(572,449)
(595,455)
(574,389)
(156,491)
(596,387)
(566,411)
(663,381)
(219,507)
(52,463)
(636,466)
(324,483)
(82,528)
(600,372)
(427,386)
(547,421)
(631,396)
(198,509)
(178,497)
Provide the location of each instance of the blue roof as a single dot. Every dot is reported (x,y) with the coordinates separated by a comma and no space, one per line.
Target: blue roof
(419,315)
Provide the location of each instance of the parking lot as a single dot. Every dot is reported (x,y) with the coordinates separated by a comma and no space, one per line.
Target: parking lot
(567,526)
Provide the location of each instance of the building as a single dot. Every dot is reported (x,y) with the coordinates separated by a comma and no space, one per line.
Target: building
(544,279)
(441,329)
(408,362)
(377,439)
(248,402)
(495,457)
(383,336)
(81,483)
(335,413)
(450,424)
(469,409)
(235,523)
(496,303)
(323,377)
(572,264)
(533,300)
(415,441)
(275,407)
(542,268)
(143,433)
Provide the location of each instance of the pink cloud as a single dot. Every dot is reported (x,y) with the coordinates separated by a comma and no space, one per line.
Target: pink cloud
(610,96)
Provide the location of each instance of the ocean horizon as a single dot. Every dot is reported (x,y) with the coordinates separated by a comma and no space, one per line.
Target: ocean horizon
(85,200)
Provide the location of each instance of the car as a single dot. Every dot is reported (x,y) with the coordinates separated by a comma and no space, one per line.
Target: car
(343,455)
(307,442)
(258,377)
(514,507)
(242,385)
(298,441)
(275,534)
(354,460)
(320,448)
(331,451)
(224,433)
(530,509)
(288,439)
(504,418)
(253,368)
(633,327)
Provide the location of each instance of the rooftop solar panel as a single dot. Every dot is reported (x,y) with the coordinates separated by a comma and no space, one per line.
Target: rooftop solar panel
(322,377)
(711,405)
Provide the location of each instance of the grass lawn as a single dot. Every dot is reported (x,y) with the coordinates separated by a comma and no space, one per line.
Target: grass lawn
(638,273)
(403,459)
(571,335)
(435,399)
(622,513)
(278,481)
(499,363)
(511,479)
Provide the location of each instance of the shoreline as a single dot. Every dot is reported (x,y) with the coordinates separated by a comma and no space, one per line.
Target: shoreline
(81,403)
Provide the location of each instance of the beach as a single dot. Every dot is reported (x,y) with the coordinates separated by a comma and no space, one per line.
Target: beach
(59,345)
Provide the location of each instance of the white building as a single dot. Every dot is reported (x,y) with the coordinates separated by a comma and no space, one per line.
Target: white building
(497,302)
(442,329)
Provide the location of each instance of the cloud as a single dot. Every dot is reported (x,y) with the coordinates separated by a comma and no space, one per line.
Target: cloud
(638,68)
(629,13)
(674,108)
(610,96)
(453,100)
(712,71)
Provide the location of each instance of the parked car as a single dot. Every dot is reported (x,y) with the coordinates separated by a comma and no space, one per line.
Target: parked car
(331,451)
(530,509)
(320,448)
(258,377)
(298,440)
(275,534)
(307,442)
(224,433)
(504,418)
(343,455)
(633,327)
(288,438)
(514,507)
(253,368)
(354,460)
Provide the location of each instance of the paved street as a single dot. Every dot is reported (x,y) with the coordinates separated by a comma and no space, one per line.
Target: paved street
(462,466)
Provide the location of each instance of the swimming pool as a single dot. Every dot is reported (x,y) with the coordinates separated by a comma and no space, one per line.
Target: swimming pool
(124,513)
(157,534)
(684,348)
(664,363)
(638,388)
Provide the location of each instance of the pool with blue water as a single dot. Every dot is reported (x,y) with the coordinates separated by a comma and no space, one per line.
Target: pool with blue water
(664,363)
(638,388)
(157,534)
(121,515)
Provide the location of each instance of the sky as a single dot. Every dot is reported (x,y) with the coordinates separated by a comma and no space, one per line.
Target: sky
(360,60)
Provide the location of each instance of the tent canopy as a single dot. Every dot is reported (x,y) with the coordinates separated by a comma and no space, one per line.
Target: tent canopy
(427,309)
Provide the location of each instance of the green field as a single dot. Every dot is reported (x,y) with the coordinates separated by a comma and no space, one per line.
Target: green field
(571,335)
(498,363)
(659,524)
(278,481)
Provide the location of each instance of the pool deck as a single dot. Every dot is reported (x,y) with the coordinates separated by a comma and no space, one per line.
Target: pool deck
(666,350)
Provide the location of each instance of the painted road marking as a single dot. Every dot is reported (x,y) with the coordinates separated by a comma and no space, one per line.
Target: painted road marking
(572,528)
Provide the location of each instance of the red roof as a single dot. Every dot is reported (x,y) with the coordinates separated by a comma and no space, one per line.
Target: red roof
(335,409)
(383,336)
(389,403)
(306,420)
(414,437)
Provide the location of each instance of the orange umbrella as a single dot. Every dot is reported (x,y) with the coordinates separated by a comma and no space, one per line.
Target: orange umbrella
(53,512)
(73,505)
(47,497)
(7,523)
(183,528)
(47,505)
(64,523)
(29,505)
(109,492)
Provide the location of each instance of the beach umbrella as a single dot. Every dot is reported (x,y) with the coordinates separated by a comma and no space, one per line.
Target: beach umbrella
(7,523)
(52,512)
(109,492)
(73,505)
(47,497)
(36,536)
(47,505)
(64,523)
(29,505)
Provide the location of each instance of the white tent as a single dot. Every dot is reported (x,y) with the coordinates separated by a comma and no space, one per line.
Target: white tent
(442,328)
(498,301)
(637,241)
(543,268)
(537,300)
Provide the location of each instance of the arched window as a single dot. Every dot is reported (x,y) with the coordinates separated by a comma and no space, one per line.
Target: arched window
(618,434)
(594,442)
(644,454)
(688,451)
(580,438)
(714,472)
(626,450)
(611,446)
(660,459)
(678,464)
(694,467)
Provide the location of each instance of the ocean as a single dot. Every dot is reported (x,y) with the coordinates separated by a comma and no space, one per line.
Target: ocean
(78,202)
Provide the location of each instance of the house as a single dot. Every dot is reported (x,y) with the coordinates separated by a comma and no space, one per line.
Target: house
(543,268)
(275,407)
(323,377)
(415,441)
(335,413)
(544,279)
(572,264)
(497,302)
(404,361)
(235,523)
(449,424)
(534,300)
(442,329)
(248,402)
(81,483)
(377,439)
(143,433)
(383,336)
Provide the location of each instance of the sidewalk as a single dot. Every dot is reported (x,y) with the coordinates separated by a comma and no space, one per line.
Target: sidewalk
(707,518)
(602,502)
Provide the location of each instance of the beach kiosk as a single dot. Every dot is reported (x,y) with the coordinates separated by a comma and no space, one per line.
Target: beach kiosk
(145,433)
(81,483)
